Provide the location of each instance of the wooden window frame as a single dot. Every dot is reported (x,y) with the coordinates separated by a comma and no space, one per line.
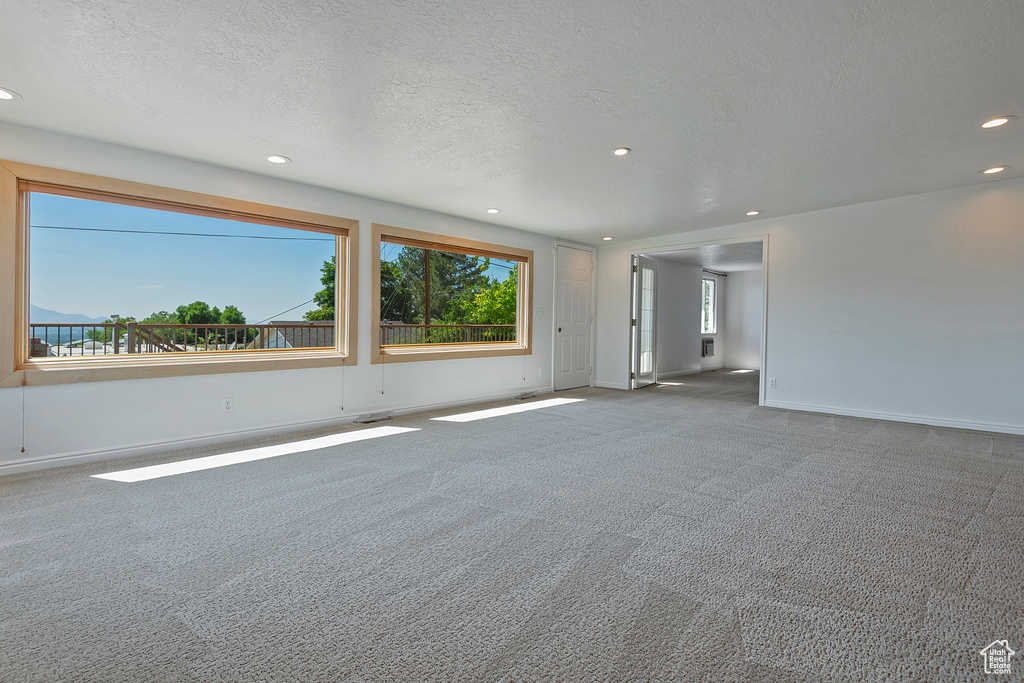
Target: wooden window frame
(421,352)
(18,369)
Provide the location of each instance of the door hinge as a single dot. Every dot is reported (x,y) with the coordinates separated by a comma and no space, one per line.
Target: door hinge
(635,269)
(633,322)
(632,375)
(590,371)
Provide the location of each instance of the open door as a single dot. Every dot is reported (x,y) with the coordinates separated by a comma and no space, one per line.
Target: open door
(644,358)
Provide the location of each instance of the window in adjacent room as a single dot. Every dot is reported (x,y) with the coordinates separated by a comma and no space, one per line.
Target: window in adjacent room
(707,318)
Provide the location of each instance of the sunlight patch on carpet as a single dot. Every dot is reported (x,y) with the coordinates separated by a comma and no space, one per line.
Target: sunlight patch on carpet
(237,457)
(507,410)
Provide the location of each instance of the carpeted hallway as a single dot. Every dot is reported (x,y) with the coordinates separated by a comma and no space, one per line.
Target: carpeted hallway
(677,533)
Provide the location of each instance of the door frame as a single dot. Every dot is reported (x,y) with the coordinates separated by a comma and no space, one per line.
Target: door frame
(763,238)
(554,305)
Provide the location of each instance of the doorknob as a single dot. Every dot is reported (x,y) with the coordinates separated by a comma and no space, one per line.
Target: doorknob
(559,329)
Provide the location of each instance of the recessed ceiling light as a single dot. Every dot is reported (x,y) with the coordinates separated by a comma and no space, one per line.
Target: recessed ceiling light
(6,94)
(621,151)
(277,159)
(607,239)
(995,123)
(994,169)
(493,210)
(753,213)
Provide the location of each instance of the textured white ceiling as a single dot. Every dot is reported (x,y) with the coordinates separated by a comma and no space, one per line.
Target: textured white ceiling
(460,105)
(728,258)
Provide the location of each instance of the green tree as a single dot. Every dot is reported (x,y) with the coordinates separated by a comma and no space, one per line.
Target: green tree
(324,299)
(160,318)
(232,316)
(497,304)
(454,279)
(195,313)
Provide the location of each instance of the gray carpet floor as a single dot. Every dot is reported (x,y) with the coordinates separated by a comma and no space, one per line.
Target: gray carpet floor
(677,533)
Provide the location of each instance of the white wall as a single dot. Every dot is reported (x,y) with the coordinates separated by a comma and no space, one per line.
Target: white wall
(742,320)
(106,419)
(678,319)
(717,361)
(907,308)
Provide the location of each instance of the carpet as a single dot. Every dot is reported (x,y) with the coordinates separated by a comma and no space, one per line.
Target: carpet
(676,533)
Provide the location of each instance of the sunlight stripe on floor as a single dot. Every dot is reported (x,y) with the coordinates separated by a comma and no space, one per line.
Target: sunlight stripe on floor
(507,410)
(225,459)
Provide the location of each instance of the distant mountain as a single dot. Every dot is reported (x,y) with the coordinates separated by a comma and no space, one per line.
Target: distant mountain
(39,316)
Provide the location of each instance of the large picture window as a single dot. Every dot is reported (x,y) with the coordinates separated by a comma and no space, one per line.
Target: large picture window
(135,285)
(442,295)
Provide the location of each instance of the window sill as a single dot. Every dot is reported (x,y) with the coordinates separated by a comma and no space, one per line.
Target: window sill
(424,352)
(89,369)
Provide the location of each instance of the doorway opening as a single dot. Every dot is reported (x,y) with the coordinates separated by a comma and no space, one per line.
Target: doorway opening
(702,324)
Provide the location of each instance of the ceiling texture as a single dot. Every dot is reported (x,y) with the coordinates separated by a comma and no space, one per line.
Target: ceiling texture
(460,105)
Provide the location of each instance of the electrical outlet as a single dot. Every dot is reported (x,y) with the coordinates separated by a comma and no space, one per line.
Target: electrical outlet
(772,384)
(227,404)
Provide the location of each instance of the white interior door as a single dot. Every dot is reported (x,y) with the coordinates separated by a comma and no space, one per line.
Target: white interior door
(644,322)
(573,317)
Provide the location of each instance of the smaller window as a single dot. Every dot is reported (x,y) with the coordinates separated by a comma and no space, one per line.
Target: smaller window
(708,323)
(448,296)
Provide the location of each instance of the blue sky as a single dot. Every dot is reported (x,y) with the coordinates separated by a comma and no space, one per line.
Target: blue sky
(99,274)
(103,273)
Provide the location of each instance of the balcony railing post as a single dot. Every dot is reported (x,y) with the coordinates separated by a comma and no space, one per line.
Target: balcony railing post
(130,340)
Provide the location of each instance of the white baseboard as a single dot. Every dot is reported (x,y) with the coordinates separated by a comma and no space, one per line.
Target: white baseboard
(610,385)
(473,401)
(678,373)
(897,417)
(80,457)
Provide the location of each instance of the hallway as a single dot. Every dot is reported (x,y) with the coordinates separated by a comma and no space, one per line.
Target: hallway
(731,386)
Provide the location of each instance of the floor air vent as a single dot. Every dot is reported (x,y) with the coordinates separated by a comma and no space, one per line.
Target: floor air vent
(374,417)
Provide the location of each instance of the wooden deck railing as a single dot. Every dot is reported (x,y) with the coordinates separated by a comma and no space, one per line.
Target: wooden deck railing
(64,339)
(396,334)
